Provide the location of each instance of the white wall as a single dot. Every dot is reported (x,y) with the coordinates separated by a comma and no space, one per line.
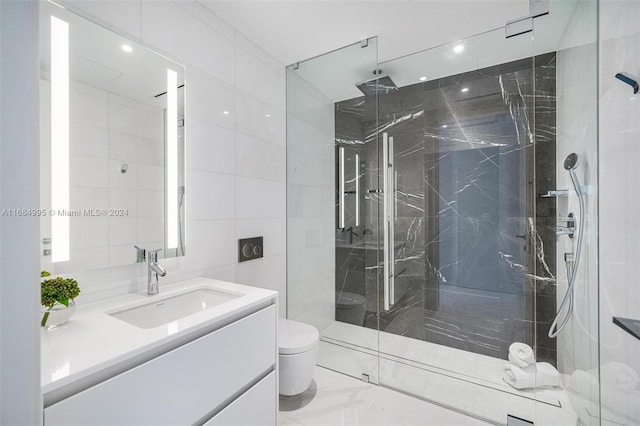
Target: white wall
(620,202)
(19,290)
(235,163)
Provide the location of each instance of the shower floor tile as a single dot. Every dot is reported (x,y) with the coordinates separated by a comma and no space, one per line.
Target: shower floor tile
(334,399)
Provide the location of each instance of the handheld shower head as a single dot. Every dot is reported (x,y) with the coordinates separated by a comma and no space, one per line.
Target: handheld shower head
(571,162)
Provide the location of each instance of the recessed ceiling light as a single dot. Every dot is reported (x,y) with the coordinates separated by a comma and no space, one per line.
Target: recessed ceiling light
(267,115)
(465,89)
(458,48)
(444,126)
(423,78)
(127,48)
(225,112)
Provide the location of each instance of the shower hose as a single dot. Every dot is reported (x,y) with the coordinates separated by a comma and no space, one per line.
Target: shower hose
(572,267)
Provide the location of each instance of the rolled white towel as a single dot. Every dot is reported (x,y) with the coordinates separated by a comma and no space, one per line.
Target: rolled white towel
(546,375)
(519,378)
(521,355)
(541,374)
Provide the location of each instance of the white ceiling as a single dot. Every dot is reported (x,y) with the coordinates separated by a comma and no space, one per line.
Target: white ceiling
(295,30)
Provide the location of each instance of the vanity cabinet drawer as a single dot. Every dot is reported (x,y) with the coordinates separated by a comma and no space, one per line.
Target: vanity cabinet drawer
(255,407)
(182,386)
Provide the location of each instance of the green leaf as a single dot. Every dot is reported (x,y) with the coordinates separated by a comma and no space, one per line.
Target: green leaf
(64,302)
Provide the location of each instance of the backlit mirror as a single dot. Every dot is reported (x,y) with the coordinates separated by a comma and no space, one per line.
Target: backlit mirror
(112,147)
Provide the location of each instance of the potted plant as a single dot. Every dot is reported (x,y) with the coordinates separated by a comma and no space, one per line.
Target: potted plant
(57,299)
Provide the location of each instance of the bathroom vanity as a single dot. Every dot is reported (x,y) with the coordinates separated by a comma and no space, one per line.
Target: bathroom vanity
(111,364)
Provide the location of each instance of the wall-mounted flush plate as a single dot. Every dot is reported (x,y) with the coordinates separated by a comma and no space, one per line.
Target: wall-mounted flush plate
(249,248)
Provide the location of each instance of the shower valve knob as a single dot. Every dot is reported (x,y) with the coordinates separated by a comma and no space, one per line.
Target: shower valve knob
(566,226)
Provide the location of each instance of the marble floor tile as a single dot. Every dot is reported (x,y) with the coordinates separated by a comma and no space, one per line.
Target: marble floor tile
(334,399)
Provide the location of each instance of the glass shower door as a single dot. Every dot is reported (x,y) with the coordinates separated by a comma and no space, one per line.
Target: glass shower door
(423,198)
(460,220)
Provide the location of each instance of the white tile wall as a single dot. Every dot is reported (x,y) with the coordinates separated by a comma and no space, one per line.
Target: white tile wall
(210,195)
(210,147)
(619,221)
(258,198)
(256,158)
(88,140)
(212,98)
(235,177)
(88,171)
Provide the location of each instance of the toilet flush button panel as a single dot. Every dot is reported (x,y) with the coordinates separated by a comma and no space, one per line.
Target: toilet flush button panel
(249,248)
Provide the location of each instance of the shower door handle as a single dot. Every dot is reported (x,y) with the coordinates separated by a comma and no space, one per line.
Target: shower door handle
(388,222)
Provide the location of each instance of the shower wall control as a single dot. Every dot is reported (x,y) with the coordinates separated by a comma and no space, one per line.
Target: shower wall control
(566,225)
(249,248)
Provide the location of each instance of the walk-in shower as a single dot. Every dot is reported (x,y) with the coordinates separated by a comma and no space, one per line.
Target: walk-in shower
(423,211)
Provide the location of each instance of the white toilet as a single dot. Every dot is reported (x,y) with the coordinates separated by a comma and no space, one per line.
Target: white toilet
(297,354)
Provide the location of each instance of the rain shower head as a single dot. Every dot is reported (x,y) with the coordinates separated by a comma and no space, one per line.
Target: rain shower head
(380,84)
(571,162)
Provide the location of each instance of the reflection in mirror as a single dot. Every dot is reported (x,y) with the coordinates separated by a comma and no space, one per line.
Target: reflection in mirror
(112,147)
(349,193)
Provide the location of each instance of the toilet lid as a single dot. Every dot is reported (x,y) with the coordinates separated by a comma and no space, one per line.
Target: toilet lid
(295,337)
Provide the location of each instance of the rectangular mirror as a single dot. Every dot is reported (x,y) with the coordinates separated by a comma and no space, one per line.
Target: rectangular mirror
(112,147)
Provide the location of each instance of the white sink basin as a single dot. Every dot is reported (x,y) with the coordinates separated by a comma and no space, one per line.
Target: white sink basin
(173,308)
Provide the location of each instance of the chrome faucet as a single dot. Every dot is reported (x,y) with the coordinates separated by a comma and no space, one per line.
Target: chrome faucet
(153,270)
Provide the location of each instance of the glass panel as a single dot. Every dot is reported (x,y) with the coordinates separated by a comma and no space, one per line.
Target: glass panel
(331,178)
(571,31)
(432,223)
(459,133)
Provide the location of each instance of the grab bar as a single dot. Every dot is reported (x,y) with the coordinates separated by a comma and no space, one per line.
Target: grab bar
(389,216)
(341,187)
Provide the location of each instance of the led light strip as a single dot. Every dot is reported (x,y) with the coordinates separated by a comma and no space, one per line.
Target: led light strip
(172,159)
(59,139)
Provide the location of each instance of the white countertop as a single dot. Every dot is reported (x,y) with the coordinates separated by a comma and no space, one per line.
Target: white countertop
(93,340)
